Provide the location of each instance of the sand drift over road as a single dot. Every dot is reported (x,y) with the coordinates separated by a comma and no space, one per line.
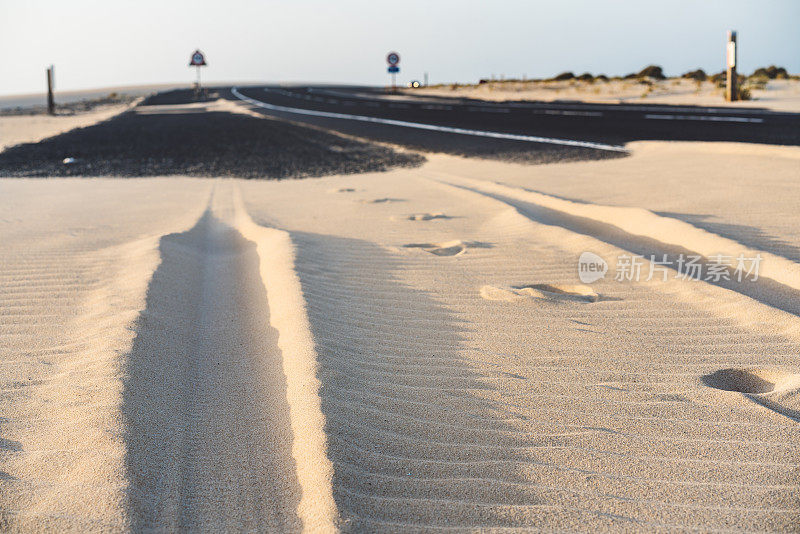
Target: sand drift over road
(216,438)
(170,135)
(288,362)
(404,350)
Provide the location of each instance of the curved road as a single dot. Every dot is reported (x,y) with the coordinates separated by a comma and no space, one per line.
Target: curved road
(546,130)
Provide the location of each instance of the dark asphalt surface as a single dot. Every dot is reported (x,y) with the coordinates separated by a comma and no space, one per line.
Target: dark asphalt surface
(204,143)
(416,139)
(614,124)
(213,143)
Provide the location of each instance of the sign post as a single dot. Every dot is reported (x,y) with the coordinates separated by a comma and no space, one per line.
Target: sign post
(731,91)
(393,58)
(198,60)
(51,103)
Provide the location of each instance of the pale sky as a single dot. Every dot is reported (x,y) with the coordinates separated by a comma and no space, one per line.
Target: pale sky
(100,43)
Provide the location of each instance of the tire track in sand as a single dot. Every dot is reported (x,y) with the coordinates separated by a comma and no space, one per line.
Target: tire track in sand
(645,233)
(210,433)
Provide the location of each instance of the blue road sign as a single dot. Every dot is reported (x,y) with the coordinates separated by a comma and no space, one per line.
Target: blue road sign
(198,59)
(393,69)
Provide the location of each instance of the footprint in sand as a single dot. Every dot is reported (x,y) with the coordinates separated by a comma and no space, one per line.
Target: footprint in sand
(551,292)
(381,200)
(343,190)
(449,248)
(775,390)
(427,216)
(752,381)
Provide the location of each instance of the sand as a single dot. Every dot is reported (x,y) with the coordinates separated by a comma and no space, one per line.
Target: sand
(70,98)
(777,95)
(16,129)
(403,350)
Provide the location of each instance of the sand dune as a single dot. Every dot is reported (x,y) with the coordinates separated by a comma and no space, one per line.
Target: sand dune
(557,415)
(255,355)
(778,95)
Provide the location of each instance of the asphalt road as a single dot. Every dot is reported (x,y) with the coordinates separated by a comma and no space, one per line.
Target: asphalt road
(158,139)
(354,109)
(148,142)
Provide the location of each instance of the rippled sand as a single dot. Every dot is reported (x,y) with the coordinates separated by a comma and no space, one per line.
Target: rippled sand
(403,350)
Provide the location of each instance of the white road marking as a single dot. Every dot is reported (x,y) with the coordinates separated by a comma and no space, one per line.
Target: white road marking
(421,126)
(566,112)
(702,118)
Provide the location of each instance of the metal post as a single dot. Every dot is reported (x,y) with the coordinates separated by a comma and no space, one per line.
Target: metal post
(394,83)
(731,91)
(51,104)
(197,89)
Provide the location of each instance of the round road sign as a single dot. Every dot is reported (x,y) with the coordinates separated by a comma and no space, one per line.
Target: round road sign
(393,58)
(198,59)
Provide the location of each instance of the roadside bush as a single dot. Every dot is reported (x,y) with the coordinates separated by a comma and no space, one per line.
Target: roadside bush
(698,75)
(744,93)
(586,77)
(652,71)
(563,77)
(772,72)
(719,78)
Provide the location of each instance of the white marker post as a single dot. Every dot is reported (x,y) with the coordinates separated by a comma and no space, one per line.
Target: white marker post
(731,91)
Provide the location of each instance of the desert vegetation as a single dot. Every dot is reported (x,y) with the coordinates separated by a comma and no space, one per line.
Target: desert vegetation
(650,81)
